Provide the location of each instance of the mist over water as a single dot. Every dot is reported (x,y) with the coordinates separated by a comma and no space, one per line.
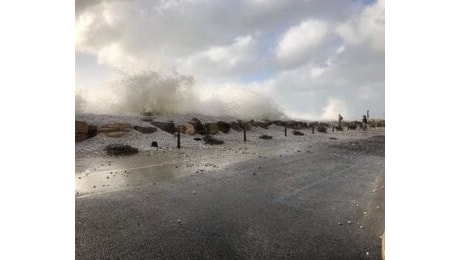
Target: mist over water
(174,93)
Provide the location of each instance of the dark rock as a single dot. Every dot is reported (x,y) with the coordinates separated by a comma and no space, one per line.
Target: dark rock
(81,127)
(197,139)
(145,130)
(208,139)
(81,131)
(322,129)
(92,131)
(297,133)
(169,127)
(235,126)
(223,126)
(211,128)
(265,137)
(154,144)
(120,149)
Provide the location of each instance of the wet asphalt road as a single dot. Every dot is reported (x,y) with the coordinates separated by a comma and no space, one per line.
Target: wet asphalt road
(324,203)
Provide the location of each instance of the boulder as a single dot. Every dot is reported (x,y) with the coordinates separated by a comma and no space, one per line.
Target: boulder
(114,130)
(81,127)
(211,140)
(186,129)
(322,129)
(235,126)
(266,137)
(211,128)
(92,131)
(245,124)
(297,133)
(81,131)
(199,127)
(223,126)
(145,129)
(169,127)
(120,149)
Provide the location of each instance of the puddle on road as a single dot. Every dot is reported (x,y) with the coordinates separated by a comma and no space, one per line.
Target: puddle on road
(108,174)
(103,181)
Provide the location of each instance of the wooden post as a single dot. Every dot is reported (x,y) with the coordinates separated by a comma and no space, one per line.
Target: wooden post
(332,128)
(312,129)
(244,132)
(285,131)
(178,139)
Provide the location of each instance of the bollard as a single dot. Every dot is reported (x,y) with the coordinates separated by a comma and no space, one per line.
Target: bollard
(178,139)
(312,129)
(285,131)
(244,131)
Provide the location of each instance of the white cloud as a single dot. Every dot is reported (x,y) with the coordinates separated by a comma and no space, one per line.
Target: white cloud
(299,42)
(234,58)
(368,27)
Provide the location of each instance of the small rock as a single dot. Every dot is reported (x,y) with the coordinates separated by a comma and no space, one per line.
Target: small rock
(176,166)
(172,186)
(349,221)
(107,177)
(340,223)
(383,187)
(378,207)
(361,227)
(253,173)
(365,213)
(367,253)
(374,190)
(194,192)
(94,186)
(79,177)
(178,221)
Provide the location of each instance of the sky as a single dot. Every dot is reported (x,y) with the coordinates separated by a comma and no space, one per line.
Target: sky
(309,59)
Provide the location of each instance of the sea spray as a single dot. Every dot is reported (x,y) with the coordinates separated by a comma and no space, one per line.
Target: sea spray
(174,93)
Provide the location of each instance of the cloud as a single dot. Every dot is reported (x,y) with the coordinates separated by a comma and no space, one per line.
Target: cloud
(368,27)
(300,41)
